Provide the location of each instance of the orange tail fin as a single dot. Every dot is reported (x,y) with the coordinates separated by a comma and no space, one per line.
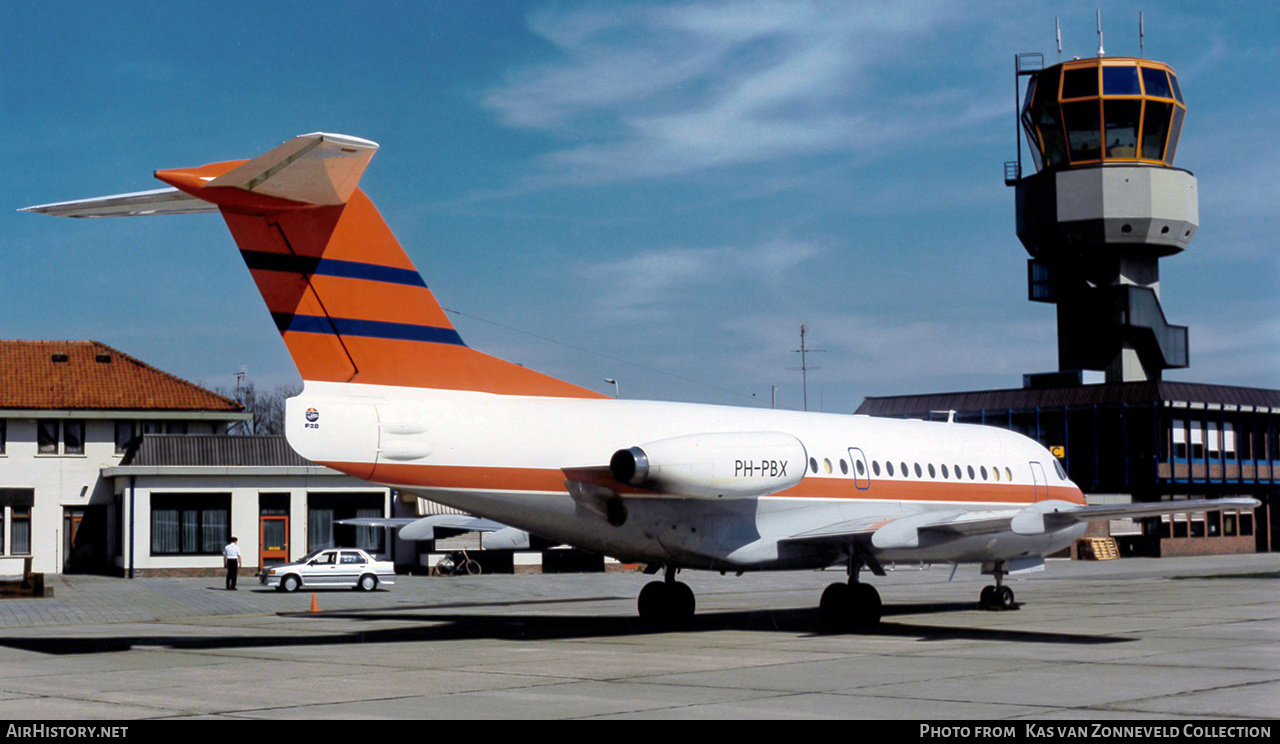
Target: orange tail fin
(347,300)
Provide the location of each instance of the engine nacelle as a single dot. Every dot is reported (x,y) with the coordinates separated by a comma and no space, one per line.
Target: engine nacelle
(727,465)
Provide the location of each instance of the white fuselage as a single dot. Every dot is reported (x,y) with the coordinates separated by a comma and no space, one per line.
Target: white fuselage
(503,457)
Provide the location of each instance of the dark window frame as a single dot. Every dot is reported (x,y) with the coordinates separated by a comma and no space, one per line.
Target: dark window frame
(43,444)
(19,514)
(67,427)
(188,503)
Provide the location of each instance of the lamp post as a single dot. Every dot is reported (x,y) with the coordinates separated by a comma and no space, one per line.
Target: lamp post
(613,382)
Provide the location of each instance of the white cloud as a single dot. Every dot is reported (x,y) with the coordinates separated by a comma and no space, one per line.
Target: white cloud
(648,91)
(649,286)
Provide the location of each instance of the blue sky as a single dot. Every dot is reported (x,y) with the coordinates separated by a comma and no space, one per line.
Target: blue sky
(666,190)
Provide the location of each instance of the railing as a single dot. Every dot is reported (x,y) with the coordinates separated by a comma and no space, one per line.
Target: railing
(1012,172)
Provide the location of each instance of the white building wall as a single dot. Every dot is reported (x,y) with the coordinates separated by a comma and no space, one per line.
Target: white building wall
(64,480)
(244,489)
(59,481)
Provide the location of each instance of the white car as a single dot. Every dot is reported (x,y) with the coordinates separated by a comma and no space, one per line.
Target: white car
(345,567)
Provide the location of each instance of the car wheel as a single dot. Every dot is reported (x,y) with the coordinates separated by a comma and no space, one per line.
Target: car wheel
(368,583)
(291,583)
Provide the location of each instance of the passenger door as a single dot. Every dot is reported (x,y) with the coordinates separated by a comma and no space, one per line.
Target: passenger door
(861,472)
(1039,482)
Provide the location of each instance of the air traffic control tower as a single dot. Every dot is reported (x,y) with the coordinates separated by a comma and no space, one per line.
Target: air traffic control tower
(1104,205)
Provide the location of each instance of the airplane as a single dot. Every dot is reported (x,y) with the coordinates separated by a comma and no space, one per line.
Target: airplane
(497,536)
(393,395)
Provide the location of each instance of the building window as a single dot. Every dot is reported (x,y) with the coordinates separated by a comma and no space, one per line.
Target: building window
(3,436)
(73,437)
(324,510)
(1246,523)
(187,524)
(1179,440)
(47,437)
(1197,440)
(124,435)
(21,530)
(1229,524)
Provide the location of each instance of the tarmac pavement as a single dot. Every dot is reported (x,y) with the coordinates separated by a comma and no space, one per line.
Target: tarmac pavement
(1166,639)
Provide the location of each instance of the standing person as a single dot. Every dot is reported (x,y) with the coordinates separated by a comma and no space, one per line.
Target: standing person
(232,555)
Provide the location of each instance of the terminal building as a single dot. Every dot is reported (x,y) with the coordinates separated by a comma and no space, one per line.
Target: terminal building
(1103,207)
(111,466)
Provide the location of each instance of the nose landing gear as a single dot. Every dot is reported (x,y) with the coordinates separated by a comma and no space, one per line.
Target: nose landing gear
(998,597)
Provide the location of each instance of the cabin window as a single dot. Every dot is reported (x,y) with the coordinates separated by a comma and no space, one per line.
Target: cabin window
(826,464)
(844,467)
(932,473)
(889,466)
(875,467)
(862,469)
(813,464)
(959,474)
(983,469)
(971,475)
(919,472)
(995,473)
(1008,475)
(945,474)
(905,473)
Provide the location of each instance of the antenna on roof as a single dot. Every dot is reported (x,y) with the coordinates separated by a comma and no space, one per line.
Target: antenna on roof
(1142,45)
(1101,51)
(1057,31)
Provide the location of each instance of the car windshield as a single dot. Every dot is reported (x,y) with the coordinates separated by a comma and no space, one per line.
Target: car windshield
(311,556)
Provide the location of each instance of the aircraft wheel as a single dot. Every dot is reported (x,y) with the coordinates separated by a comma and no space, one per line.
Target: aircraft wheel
(654,603)
(683,603)
(836,608)
(1004,597)
(867,606)
(986,599)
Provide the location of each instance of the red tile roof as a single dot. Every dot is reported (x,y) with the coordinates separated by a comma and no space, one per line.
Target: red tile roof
(89,375)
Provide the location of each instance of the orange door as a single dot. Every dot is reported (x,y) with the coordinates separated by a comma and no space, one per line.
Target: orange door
(273,540)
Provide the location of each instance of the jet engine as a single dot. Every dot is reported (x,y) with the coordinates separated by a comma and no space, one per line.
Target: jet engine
(714,465)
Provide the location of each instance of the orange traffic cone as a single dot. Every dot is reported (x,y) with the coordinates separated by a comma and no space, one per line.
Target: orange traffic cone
(314,606)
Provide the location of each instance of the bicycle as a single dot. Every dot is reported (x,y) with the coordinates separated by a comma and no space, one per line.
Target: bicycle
(457,563)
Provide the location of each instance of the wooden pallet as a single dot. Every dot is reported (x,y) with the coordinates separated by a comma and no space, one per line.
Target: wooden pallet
(1098,549)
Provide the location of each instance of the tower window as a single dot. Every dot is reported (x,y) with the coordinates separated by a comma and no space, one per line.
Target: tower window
(1120,81)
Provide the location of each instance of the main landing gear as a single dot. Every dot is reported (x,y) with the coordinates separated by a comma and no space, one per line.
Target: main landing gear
(666,603)
(851,606)
(998,597)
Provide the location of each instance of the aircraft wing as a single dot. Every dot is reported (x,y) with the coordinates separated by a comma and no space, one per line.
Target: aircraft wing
(912,530)
(423,528)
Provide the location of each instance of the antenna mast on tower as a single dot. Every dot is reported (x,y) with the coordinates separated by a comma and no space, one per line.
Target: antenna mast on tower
(804,365)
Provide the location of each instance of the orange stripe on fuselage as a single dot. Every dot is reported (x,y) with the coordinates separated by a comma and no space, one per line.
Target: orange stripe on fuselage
(547,480)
